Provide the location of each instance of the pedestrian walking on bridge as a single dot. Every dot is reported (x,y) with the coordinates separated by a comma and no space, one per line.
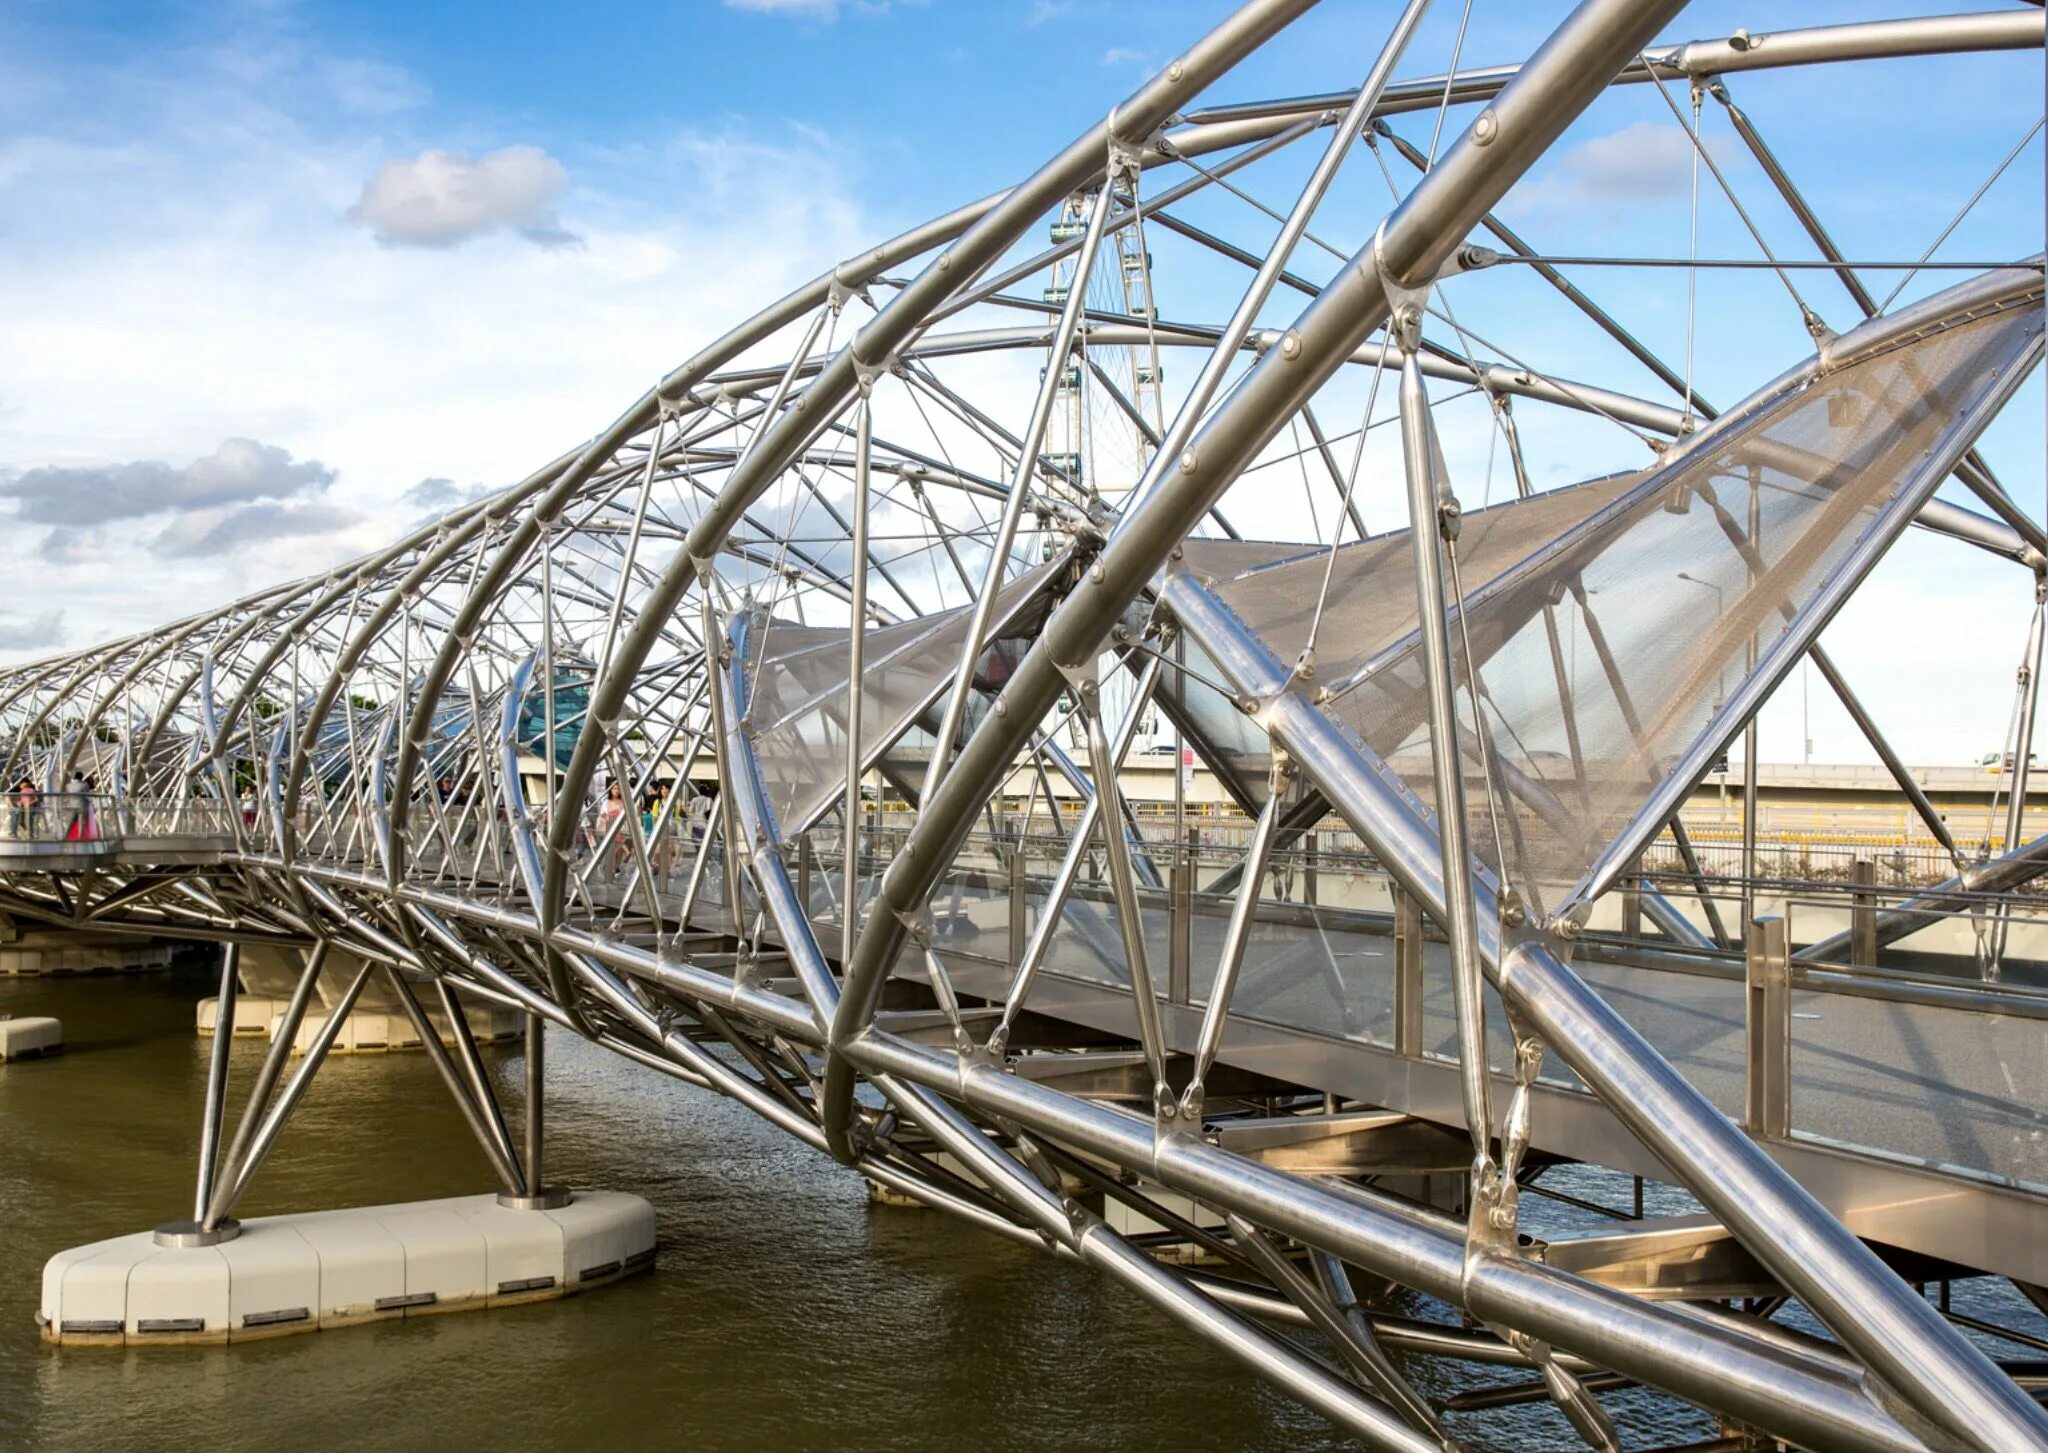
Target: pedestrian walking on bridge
(28,801)
(76,804)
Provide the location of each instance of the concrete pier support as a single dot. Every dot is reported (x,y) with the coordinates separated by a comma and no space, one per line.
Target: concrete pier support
(369,1031)
(365,1032)
(29,1037)
(1127,1221)
(377,1025)
(49,952)
(251,1017)
(325,1269)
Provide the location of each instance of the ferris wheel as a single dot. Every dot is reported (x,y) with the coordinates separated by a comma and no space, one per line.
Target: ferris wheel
(1110,414)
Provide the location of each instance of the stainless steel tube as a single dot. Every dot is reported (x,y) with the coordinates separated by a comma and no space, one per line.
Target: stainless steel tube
(1563,78)
(294,1090)
(1897,1333)
(216,1081)
(1764,1385)
(478,1077)
(1426,523)
(451,1077)
(282,1034)
(536,1103)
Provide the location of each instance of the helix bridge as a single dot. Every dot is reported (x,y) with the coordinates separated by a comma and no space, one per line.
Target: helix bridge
(784,738)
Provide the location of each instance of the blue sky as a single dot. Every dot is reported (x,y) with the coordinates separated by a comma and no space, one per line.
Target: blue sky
(938,97)
(211,231)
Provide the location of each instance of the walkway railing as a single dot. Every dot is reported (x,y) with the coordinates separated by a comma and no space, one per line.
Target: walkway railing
(102,821)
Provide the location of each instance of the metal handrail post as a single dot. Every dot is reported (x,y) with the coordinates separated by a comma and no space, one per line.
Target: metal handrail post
(1180,932)
(1020,901)
(1863,914)
(1408,989)
(1767,1025)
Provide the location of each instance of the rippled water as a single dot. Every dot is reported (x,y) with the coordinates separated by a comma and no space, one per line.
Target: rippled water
(785,1312)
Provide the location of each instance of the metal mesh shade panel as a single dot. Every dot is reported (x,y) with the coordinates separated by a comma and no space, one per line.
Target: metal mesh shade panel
(796,713)
(1609,622)
(169,756)
(1370,607)
(1369,612)
(101,759)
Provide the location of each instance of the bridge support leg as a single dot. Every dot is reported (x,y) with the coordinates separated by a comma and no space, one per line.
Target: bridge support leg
(271,1275)
(217,1206)
(202,1230)
(215,1223)
(539,1195)
(216,1084)
(536,1080)
(492,1117)
(473,1114)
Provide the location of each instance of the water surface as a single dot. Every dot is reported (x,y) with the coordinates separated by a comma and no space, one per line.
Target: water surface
(785,1313)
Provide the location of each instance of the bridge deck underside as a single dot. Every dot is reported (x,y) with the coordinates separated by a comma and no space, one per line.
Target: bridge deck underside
(1906,1119)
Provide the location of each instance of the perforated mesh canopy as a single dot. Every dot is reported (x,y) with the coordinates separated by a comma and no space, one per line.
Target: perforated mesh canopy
(796,713)
(1610,621)
(1371,605)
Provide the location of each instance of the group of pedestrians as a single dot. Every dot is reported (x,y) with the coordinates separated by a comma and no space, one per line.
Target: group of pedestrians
(612,830)
(74,805)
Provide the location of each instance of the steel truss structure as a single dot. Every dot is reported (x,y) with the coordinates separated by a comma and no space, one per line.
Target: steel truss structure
(605,746)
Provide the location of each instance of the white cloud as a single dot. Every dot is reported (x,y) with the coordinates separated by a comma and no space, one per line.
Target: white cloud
(1123,55)
(243,493)
(823,10)
(68,546)
(30,634)
(440,495)
(240,470)
(181,274)
(435,497)
(208,534)
(1647,159)
(442,198)
(812,9)
(1643,163)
